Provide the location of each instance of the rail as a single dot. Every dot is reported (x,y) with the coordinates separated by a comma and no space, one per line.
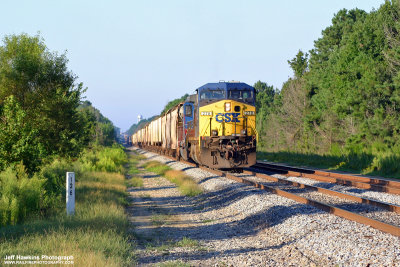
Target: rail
(380,225)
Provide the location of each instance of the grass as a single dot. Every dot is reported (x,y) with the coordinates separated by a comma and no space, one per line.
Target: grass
(160,219)
(135,181)
(145,196)
(185,184)
(173,264)
(186,242)
(132,169)
(95,236)
(380,164)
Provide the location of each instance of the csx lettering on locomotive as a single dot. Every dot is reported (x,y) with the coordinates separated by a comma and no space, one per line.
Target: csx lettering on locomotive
(227,117)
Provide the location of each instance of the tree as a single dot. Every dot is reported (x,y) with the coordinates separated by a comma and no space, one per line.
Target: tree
(264,102)
(137,126)
(299,64)
(18,139)
(38,85)
(173,103)
(332,37)
(99,129)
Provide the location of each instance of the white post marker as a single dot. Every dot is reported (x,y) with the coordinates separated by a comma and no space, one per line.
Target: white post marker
(70,196)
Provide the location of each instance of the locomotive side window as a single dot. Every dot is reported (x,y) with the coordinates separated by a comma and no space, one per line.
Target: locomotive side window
(188,111)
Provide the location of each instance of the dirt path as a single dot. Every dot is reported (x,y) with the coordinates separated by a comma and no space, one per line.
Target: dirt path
(159,215)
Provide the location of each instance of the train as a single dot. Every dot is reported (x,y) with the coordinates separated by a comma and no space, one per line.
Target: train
(215,127)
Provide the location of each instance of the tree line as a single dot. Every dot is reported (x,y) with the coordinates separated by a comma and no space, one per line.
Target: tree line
(344,97)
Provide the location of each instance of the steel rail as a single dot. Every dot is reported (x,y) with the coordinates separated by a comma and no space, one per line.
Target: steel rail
(384,205)
(382,226)
(351,177)
(392,187)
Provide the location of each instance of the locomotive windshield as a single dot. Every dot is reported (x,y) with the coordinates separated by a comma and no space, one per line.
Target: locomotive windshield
(212,94)
(244,95)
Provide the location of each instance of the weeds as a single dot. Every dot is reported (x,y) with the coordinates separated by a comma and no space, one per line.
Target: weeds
(160,219)
(377,163)
(96,235)
(145,196)
(19,196)
(135,181)
(185,184)
(106,159)
(132,170)
(188,243)
(173,264)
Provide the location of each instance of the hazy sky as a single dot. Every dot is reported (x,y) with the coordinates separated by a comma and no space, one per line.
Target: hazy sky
(135,56)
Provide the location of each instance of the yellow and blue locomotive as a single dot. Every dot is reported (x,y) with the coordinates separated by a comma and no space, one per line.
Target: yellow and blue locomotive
(219,126)
(215,127)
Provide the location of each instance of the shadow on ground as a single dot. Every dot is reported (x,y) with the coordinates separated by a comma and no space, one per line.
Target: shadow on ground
(211,230)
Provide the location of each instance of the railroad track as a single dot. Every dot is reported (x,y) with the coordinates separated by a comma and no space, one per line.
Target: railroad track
(377,214)
(379,185)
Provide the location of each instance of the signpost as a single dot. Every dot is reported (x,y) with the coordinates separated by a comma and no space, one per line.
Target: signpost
(70,196)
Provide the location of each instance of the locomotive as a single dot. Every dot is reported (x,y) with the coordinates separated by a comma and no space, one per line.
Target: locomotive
(215,127)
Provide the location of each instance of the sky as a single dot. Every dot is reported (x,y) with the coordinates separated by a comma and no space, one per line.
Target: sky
(135,56)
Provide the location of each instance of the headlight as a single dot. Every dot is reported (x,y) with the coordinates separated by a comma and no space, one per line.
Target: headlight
(227,106)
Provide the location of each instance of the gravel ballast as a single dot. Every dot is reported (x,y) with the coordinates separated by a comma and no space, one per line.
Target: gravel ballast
(238,225)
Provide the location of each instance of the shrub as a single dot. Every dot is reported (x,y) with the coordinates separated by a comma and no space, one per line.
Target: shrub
(54,177)
(20,196)
(23,196)
(109,159)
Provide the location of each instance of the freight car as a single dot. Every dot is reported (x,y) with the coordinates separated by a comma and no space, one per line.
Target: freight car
(215,127)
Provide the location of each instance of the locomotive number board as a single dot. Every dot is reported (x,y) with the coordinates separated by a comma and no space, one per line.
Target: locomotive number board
(249,113)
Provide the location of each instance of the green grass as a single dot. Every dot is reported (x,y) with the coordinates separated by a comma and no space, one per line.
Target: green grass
(97,234)
(163,247)
(380,164)
(157,167)
(135,182)
(132,166)
(178,263)
(132,170)
(145,196)
(160,219)
(185,184)
(186,242)
(135,157)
